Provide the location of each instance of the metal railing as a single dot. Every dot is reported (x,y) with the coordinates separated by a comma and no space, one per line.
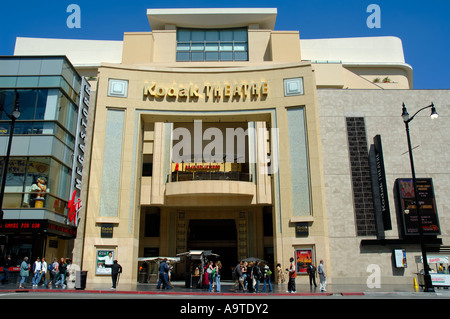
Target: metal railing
(208,176)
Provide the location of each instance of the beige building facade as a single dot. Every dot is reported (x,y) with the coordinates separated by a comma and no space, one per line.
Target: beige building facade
(216,132)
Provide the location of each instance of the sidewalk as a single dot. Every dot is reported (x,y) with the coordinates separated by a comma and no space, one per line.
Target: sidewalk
(227,286)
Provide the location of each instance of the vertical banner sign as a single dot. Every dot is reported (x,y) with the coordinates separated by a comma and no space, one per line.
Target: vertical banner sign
(381,183)
(75,204)
(407,204)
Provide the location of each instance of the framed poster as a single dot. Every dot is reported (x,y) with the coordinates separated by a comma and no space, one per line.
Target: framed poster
(303,258)
(408,209)
(400,258)
(104,261)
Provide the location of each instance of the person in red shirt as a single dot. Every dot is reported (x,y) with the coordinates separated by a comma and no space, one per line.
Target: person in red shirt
(292,275)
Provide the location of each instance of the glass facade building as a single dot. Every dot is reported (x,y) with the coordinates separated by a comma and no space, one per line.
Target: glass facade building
(40,165)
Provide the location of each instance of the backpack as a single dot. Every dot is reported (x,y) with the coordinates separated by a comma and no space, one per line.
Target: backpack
(50,267)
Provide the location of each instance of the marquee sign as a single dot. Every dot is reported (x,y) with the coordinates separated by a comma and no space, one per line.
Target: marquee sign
(214,92)
(74,204)
(36,226)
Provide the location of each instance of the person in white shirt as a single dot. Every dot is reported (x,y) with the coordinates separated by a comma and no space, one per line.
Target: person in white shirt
(37,269)
(322,277)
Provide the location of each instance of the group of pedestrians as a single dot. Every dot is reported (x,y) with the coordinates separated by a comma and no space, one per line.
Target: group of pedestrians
(311,270)
(249,275)
(57,272)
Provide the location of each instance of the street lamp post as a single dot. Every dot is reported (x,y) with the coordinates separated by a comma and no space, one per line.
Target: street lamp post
(406,119)
(13,117)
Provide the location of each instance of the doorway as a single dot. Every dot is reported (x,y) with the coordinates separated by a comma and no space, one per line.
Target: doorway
(217,235)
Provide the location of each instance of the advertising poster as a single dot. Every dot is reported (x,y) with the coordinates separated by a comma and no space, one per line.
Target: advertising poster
(105,258)
(303,258)
(428,211)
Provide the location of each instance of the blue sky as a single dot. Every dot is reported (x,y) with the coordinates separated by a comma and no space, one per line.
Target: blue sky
(423,26)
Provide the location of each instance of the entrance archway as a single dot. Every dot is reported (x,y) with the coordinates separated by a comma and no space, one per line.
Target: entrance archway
(217,235)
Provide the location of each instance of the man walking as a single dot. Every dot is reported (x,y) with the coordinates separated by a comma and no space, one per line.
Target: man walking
(312,275)
(322,277)
(37,269)
(292,275)
(163,275)
(116,270)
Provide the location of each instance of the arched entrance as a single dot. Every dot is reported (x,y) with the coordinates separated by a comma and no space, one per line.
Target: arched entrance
(217,235)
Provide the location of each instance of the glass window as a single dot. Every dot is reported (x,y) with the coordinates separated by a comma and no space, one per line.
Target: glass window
(212,45)
(183,35)
(197,35)
(16,174)
(7,100)
(27,104)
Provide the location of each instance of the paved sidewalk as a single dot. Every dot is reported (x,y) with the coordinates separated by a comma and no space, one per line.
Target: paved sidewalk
(227,286)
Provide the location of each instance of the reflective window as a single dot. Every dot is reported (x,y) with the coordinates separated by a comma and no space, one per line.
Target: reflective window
(36,182)
(212,45)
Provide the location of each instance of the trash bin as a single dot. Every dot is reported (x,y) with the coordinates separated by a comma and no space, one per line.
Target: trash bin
(80,279)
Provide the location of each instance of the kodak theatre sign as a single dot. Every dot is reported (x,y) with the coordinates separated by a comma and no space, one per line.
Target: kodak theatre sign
(215,92)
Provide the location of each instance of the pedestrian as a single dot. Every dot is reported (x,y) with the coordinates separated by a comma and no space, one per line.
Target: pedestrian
(163,275)
(24,271)
(53,270)
(257,275)
(292,275)
(71,274)
(211,272)
(250,285)
(37,270)
(43,271)
(6,266)
(280,272)
(239,278)
(62,267)
(116,270)
(218,272)
(322,277)
(244,274)
(311,270)
(267,274)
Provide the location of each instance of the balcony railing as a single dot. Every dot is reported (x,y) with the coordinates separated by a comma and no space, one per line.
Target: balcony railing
(209,176)
(20,200)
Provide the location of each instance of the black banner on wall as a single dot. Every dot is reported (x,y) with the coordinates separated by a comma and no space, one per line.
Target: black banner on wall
(408,210)
(379,189)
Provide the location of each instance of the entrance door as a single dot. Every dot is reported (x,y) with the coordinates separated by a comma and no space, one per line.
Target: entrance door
(217,235)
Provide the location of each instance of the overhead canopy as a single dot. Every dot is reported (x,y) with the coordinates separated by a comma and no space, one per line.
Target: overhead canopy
(197,254)
(160,259)
(212,18)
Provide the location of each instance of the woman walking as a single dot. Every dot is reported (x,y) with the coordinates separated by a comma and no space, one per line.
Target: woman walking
(24,271)
(218,273)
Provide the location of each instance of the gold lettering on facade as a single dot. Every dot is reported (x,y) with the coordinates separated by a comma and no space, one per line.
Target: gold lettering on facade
(211,91)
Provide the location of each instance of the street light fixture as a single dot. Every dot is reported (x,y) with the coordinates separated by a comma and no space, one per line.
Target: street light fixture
(406,119)
(13,117)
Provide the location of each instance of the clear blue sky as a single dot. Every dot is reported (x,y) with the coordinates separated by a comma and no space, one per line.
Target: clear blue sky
(423,26)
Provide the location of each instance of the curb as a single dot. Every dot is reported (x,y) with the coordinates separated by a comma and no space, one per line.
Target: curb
(178,293)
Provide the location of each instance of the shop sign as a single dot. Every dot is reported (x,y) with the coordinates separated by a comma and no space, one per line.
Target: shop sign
(26,225)
(106,230)
(80,147)
(301,230)
(214,92)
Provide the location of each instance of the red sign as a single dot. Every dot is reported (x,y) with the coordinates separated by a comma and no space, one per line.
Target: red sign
(37,226)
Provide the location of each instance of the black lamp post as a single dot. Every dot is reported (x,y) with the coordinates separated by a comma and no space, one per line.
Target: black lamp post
(13,117)
(406,118)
